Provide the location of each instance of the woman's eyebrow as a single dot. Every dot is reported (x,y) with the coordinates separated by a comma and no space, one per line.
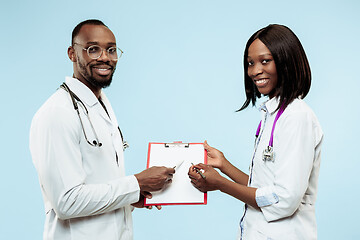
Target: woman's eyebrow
(261,55)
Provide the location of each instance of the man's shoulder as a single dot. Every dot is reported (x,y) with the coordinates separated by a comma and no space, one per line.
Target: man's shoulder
(58,104)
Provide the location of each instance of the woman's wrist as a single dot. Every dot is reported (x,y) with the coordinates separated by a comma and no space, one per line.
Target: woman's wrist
(224,165)
(218,182)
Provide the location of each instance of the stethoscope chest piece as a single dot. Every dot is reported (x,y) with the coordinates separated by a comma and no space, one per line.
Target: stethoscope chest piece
(125,145)
(268,154)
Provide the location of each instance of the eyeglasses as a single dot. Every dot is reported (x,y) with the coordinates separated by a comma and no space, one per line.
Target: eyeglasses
(95,51)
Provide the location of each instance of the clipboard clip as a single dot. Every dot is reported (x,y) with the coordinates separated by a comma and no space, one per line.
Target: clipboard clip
(176,144)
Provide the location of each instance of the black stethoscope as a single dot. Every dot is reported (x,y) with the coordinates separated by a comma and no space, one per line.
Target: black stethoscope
(96,142)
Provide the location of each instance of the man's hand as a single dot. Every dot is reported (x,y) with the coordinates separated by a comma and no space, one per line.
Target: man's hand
(140,203)
(154,178)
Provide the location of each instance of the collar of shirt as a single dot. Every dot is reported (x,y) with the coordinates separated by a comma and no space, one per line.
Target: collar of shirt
(270,105)
(82,91)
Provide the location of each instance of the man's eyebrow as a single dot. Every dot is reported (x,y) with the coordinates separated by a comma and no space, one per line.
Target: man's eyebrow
(96,43)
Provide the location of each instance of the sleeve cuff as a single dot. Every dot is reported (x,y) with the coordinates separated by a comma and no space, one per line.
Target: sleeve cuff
(128,188)
(134,186)
(265,197)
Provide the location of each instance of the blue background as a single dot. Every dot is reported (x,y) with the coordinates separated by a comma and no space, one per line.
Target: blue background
(181,78)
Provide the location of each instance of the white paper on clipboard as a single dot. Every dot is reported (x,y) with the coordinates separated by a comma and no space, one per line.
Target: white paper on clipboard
(179,155)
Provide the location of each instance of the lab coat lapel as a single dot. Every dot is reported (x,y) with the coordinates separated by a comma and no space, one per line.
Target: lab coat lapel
(109,116)
(272,104)
(87,96)
(102,112)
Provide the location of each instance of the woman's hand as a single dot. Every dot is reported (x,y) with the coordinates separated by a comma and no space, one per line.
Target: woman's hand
(215,158)
(211,180)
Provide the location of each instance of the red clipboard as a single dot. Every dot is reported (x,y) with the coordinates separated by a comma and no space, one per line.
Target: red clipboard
(179,155)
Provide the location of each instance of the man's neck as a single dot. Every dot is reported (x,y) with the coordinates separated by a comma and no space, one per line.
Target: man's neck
(95,90)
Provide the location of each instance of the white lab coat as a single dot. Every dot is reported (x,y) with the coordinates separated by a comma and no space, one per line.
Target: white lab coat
(85,190)
(286,187)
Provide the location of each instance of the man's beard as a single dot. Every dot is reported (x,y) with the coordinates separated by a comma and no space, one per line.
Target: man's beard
(93,81)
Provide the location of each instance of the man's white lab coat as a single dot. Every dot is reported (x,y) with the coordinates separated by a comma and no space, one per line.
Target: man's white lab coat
(85,190)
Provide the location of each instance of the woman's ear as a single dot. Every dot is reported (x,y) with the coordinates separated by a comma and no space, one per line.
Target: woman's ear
(71,54)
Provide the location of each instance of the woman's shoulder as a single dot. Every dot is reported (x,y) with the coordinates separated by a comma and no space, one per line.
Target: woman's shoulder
(299,112)
(300,108)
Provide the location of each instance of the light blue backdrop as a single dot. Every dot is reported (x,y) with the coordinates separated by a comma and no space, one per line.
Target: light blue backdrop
(181,78)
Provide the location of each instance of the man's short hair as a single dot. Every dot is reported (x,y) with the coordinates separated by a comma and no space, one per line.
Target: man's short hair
(76,30)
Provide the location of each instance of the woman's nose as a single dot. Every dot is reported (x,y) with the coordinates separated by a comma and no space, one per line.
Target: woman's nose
(255,70)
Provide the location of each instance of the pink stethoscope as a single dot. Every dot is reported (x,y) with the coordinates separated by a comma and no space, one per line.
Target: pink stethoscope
(268,153)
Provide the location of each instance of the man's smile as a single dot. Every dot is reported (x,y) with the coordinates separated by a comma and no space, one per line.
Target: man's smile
(102,70)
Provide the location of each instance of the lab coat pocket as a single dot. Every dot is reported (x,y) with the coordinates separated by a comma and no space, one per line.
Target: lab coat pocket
(256,234)
(90,228)
(269,167)
(286,235)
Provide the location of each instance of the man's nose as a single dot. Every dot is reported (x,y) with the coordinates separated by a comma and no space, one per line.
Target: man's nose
(104,56)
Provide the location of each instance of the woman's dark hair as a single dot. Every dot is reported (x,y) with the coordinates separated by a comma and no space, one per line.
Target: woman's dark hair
(292,66)
(76,30)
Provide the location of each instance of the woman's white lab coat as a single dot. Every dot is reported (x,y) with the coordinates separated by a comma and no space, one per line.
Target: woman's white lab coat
(287,186)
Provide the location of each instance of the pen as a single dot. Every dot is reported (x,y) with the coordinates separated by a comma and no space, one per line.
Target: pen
(199,172)
(178,164)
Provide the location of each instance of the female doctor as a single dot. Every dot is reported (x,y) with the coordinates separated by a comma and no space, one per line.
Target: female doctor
(280,191)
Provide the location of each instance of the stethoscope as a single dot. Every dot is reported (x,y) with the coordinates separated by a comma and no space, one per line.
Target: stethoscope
(268,153)
(96,142)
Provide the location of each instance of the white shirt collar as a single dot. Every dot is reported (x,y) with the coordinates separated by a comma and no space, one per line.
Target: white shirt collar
(82,91)
(270,105)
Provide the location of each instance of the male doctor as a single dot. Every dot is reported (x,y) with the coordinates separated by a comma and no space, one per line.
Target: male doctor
(78,154)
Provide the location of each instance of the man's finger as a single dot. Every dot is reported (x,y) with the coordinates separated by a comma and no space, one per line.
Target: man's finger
(146,194)
(170,171)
